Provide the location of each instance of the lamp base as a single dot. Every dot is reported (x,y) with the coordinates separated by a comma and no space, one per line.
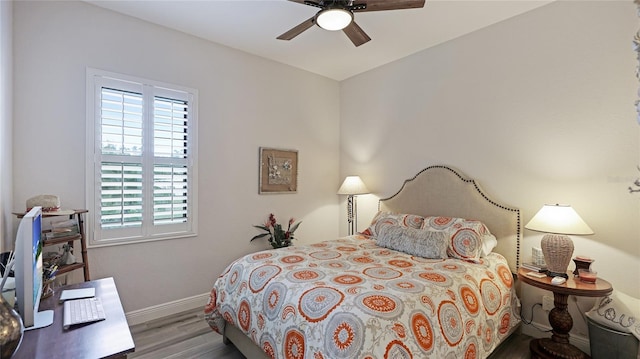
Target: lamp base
(557,250)
(556,274)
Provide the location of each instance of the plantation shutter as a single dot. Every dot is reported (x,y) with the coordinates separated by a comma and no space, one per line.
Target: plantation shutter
(170,190)
(144,163)
(121,181)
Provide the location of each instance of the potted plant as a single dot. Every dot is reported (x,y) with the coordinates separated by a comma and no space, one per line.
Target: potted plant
(277,236)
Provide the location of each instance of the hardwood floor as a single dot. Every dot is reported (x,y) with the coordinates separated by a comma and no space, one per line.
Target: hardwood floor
(516,347)
(187,335)
(180,336)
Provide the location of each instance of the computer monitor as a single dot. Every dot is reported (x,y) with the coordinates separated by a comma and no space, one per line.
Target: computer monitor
(28,271)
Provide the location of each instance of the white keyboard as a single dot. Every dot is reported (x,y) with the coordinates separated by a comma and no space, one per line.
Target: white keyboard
(81,311)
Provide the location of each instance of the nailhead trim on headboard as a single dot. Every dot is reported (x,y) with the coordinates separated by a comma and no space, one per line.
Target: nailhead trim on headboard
(468,180)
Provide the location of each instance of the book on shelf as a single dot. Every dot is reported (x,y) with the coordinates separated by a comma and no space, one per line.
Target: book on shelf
(533,267)
(60,234)
(62,229)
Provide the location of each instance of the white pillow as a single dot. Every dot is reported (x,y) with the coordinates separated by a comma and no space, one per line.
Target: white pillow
(489,242)
(618,311)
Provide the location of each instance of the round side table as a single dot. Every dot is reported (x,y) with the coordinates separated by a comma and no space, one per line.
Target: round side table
(558,345)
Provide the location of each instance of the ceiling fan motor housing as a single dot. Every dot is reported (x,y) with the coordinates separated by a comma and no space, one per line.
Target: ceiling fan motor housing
(337,4)
(343,10)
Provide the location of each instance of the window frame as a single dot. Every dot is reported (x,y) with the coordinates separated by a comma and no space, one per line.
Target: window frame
(150,90)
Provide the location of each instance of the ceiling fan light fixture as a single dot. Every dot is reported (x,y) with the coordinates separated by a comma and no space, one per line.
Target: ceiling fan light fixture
(334,19)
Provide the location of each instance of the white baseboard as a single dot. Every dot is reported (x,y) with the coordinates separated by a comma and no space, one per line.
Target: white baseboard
(162,310)
(579,341)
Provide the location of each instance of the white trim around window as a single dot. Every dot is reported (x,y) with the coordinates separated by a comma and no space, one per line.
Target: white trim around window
(141,163)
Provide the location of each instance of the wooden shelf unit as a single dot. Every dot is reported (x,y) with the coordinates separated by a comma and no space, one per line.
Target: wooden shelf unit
(70,239)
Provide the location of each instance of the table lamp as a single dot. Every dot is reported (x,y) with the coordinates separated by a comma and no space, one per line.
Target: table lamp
(352,186)
(557,221)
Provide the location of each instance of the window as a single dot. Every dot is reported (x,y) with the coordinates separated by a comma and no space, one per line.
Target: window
(141,162)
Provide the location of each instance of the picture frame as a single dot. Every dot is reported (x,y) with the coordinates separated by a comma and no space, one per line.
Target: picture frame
(278,171)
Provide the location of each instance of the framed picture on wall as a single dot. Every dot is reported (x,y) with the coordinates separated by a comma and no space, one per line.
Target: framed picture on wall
(278,171)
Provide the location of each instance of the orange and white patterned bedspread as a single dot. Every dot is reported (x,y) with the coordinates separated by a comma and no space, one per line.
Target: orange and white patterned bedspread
(349,298)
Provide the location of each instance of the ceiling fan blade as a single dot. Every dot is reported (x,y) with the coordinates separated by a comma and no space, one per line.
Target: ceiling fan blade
(297,30)
(378,5)
(308,2)
(356,34)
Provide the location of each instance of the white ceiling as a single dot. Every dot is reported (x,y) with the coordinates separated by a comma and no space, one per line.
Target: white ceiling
(253,25)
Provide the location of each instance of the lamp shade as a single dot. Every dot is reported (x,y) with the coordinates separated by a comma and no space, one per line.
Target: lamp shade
(559,219)
(334,19)
(353,185)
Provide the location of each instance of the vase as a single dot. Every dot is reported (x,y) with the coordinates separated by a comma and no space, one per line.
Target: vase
(11,329)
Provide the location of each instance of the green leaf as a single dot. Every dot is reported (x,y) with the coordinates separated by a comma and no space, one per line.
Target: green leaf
(295,226)
(259,236)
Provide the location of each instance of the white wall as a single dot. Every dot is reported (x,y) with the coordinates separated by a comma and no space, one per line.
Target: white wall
(6,71)
(244,102)
(538,108)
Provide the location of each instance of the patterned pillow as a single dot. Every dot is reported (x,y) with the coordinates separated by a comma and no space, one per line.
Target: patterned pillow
(618,311)
(465,244)
(417,242)
(466,236)
(394,219)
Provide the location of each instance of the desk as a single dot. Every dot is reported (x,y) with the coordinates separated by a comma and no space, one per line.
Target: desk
(559,317)
(108,338)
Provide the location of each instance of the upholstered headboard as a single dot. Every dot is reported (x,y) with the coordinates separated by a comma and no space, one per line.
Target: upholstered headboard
(443,191)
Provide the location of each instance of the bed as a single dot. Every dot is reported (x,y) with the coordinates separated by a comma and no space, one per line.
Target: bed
(420,282)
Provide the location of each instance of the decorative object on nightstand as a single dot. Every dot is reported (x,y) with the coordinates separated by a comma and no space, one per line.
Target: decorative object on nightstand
(558,221)
(587,275)
(582,262)
(537,257)
(352,186)
(534,267)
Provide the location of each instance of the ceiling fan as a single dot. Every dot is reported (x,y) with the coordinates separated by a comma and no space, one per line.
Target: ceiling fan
(338,15)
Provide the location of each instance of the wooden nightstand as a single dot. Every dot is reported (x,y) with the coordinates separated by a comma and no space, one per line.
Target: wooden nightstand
(559,317)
